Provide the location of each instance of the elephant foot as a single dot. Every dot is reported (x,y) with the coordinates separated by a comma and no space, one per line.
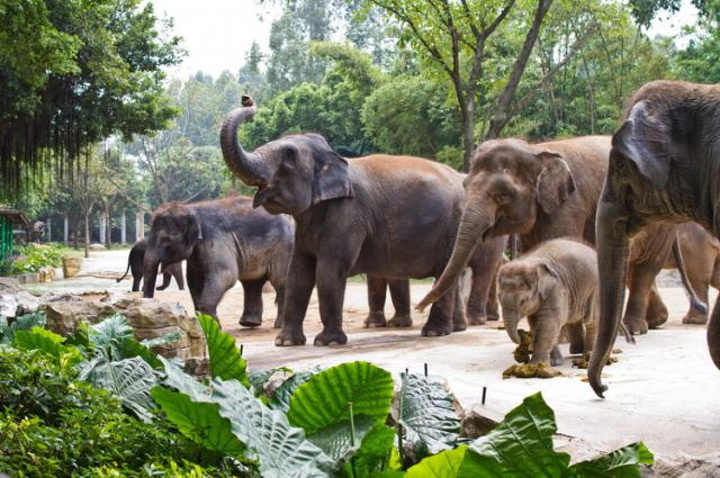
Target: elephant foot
(556,357)
(577,348)
(278,323)
(400,321)
(161,287)
(375,319)
(436,330)
(655,322)
(289,337)
(476,318)
(694,318)
(636,326)
(331,337)
(250,321)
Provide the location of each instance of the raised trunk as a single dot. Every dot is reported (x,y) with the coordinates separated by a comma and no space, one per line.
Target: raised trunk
(473,224)
(150,271)
(613,254)
(511,319)
(249,167)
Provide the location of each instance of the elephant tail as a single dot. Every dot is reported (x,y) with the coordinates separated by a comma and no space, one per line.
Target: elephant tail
(126,272)
(695,302)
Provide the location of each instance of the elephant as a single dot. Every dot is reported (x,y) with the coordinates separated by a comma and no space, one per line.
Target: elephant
(555,287)
(388,216)
(663,169)
(135,264)
(541,192)
(223,241)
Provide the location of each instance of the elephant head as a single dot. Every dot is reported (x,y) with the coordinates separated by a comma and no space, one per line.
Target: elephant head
(510,183)
(292,174)
(174,233)
(522,287)
(661,169)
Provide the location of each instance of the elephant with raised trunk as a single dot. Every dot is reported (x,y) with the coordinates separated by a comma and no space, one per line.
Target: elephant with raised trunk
(223,241)
(664,167)
(135,265)
(392,217)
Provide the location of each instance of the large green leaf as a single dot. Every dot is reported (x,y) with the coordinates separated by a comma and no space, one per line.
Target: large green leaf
(280,399)
(428,415)
(323,400)
(48,343)
(373,457)
(225,359)
(108,336)
(24,322)
(198,421)
(520,446)
(443,465)
(341,439)
(283,450)
(622,463)
(131,380)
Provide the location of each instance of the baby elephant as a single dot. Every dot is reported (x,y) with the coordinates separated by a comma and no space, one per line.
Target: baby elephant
(554,286)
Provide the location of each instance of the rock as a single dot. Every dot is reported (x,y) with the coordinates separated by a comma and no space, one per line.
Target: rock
(46,274)
(64,313)
(14,300)
(197,367)
(474,422)
(96,247)
(686,466)
(71,266)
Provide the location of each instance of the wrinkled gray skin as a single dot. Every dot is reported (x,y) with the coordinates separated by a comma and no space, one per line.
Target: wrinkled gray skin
(388,216)
(545,191)
(663,168)
(554,286)
(135,265)
(223,241)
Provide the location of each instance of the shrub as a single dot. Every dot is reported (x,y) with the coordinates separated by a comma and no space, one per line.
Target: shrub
(32,258)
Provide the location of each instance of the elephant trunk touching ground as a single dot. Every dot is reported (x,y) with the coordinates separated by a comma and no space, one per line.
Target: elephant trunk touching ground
(511,319)
(473,223)
(249,167)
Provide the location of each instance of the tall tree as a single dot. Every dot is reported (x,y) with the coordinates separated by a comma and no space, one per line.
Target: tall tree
(73,73)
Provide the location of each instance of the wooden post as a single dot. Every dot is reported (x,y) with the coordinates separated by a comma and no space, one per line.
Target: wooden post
(123,231)
(103,229)
(48,228)
(65,229)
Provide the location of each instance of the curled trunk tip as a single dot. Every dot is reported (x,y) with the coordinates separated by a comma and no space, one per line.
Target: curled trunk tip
(249,167)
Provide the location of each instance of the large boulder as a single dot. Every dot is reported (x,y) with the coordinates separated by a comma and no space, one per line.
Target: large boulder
(14,300)
(149,319)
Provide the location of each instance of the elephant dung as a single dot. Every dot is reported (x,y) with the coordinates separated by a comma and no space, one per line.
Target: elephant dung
(540,370)
(524,350)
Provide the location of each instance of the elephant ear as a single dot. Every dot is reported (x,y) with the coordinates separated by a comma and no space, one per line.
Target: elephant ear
(555,183)
(547,280)
(645,140)
(331,180)
(193,228)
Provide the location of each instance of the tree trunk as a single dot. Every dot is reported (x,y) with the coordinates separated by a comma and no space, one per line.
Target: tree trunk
(48,228)
(102,228)
(87,234)
(65,229)
(140,224)
(123,229)
(108,226)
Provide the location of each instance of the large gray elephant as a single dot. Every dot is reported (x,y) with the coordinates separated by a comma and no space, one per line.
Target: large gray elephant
(223,241)
(663,168)
(393,217)
(545,191)
(135,265)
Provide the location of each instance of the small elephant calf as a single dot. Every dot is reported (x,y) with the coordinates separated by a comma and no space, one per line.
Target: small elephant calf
(554,286)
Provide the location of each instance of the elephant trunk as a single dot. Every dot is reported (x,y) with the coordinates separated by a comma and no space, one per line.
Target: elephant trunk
(511,319)
(473,224)
(150,271)
(249,167)
(612,255)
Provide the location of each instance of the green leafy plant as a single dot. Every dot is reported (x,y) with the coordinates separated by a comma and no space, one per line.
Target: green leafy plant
(225,359)
(32,258)
(24,322)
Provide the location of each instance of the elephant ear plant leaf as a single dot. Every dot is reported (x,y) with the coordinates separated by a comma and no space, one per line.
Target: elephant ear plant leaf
(428,416)
(48,343)
(622,463)
(280,398)
(24,322)
(339,406)
(225,360)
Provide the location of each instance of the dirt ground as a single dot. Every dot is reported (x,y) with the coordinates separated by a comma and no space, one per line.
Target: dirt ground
(663,390)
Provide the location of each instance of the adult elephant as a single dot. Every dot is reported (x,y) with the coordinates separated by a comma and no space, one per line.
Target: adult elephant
(135,266)
(223,241)
(545,191)
(663,168)
(392,217)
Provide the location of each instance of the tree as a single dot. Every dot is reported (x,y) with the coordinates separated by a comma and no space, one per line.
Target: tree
(456,37)
(73,73)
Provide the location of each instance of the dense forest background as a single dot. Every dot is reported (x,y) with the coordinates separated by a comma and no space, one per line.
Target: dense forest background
(91,127)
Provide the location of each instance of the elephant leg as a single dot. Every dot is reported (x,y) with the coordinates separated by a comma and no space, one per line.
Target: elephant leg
(482,304)
(178,275)
(657,313)
(299,287)
(196,281)
(440,320)
(576,334)
(331,278)
(713,334)
(252,303)
(640,283)
(278,283)
(136,283)
(400,295)
(216,284)
(459,321)
(376,290)
(546,333)
(166,281)
(699,276)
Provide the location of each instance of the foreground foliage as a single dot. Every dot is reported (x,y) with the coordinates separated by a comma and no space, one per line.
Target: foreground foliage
(99,403)
(32,258)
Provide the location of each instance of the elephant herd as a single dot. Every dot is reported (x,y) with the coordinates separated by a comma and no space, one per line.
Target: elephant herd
(324,218)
